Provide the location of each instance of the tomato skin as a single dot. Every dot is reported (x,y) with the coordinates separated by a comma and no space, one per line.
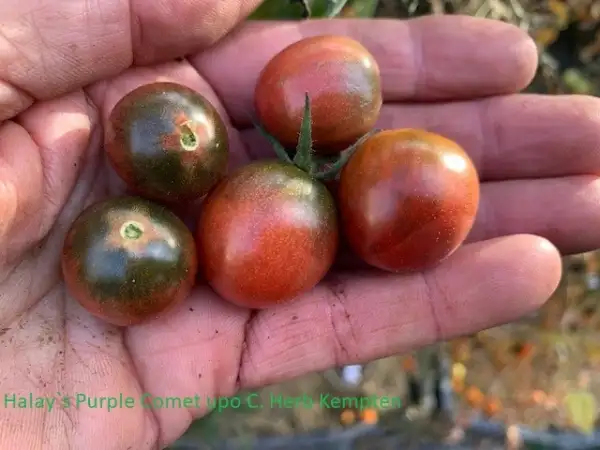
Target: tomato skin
(342,80)
(145,138)
(407,199)
(127,281)
(266,233)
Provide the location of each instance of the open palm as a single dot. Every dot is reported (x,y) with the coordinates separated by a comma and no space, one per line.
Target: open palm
(64,64)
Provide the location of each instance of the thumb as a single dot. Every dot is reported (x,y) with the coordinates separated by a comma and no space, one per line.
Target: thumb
(49,167)
(51,47)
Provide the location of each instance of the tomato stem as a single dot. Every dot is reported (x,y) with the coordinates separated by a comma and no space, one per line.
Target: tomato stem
(131,230)
(304,151)
(188,139)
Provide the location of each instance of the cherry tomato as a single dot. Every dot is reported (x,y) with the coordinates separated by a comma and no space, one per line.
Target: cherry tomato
(267,233)
(127,260)
(407,198)
(167,142)
(342,80)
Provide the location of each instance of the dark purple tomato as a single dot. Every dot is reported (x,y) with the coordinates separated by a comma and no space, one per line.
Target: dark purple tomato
(342,80)
(127,260)
(267,233)
(167,142)
(408,199)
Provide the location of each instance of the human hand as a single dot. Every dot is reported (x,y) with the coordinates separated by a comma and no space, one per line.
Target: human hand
(537,157)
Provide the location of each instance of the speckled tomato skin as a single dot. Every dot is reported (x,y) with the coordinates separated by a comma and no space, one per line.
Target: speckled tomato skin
(407,199)
(342,80)
(142,142)
(266,234)
(127,283)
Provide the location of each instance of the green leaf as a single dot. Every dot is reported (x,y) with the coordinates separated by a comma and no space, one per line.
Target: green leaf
(581,408)
(282,10)
(361,8)
(577,82)
(304,150)
(297,9)
(326,8)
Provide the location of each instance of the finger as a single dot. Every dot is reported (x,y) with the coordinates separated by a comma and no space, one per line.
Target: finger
(516,136)
(563,210)
(107,94)
(191,352)
(51,47)
(431,58)
(41,157)
(362,318)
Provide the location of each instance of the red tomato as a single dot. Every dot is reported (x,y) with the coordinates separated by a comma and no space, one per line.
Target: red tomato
(407,198)
(342,80)
(266,233)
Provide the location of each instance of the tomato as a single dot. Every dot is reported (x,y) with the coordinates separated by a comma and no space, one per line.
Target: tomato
(267,233)
(167,142)
(127,260)
(343,83)
(407,199)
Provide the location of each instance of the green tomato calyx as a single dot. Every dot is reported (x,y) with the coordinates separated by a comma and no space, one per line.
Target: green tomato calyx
(321,168)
